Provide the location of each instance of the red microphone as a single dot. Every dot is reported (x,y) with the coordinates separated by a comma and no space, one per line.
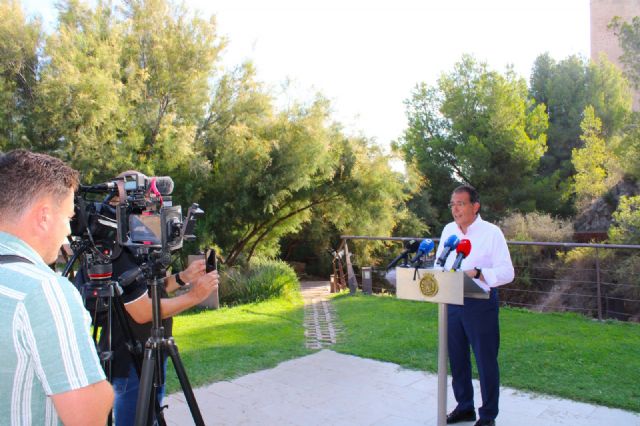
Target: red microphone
(463,250)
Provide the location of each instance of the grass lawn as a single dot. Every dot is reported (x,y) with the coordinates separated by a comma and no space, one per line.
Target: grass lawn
(230,342)
(559,354)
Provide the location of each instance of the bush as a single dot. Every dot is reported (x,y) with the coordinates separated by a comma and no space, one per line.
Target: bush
(536,227)
(262,279)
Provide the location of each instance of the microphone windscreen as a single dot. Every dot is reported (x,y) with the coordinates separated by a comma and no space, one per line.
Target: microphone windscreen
(412,246)
(464,247)
(452,241)
(164,184)
(426,245)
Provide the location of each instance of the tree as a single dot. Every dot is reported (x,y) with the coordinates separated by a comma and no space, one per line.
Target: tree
(19,62)
(625,228)
(628,34)
(478,127)
(566,88)
(595,165)
(137,87)
(273,171)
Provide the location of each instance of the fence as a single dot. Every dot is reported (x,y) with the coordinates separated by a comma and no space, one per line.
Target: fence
(598,280)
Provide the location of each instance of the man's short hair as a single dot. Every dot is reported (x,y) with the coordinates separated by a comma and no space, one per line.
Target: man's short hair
(474,196)
(27,176)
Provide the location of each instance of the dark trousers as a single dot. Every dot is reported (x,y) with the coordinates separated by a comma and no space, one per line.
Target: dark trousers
(475,325)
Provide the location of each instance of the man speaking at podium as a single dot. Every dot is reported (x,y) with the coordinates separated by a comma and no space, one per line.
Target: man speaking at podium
(475,324)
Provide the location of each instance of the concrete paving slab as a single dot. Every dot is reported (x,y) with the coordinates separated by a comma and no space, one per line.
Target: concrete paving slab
(328,388)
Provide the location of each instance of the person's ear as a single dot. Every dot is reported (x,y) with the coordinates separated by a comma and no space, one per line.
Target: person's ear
(42,214)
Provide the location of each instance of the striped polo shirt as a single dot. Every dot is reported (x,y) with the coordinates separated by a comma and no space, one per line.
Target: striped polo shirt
(45,342)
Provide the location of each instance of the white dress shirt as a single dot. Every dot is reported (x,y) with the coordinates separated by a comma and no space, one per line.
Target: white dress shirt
(489,252)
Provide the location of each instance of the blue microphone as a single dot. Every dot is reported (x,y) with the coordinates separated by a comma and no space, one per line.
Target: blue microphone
(449,246)
(425,247)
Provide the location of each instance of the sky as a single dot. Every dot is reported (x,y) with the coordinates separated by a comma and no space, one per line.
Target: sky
(367,55)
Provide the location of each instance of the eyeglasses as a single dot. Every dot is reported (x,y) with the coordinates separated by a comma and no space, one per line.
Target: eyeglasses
(457,204)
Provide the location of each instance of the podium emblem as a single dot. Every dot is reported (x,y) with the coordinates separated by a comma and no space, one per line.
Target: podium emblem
(428,285)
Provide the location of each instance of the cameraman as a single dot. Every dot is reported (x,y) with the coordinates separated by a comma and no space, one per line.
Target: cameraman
(138,310)
(50,371)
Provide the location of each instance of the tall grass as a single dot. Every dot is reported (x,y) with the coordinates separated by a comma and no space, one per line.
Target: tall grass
(262,279)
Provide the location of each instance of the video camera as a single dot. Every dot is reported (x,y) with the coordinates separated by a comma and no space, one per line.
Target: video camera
(136,212)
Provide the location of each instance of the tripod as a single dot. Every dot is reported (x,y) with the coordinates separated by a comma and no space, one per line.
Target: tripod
(151,375)
(149,370)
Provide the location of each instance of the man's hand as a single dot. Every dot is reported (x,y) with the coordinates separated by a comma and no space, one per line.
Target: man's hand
(193,271)
(202,287)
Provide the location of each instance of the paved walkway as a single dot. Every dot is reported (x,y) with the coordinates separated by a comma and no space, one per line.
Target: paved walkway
(328,388)
(320,328)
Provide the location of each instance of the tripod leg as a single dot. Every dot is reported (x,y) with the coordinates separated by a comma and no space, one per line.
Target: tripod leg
(146,385)
(172,350)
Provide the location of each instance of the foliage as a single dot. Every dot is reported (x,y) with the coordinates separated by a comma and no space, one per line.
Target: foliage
(288,169)
(565,350)
(260,280)
(566,88)
(479,127)
(625,228)
(536,226)
(628,34)
(20,42)
(136,85)
(227,343)
(595,165)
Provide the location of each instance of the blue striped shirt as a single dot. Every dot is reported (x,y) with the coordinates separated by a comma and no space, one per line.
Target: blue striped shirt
(45,341)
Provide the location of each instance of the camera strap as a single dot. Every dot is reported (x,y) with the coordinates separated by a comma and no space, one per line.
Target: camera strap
(13,258)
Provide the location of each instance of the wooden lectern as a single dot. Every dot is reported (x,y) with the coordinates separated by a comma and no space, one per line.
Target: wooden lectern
(441,287)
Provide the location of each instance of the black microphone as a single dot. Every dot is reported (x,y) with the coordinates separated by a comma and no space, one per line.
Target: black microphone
(409,247)
(425,247)
(449,245)
(463,250)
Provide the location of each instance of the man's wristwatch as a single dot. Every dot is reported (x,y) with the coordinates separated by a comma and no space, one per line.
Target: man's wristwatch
(179,281)
(478,273)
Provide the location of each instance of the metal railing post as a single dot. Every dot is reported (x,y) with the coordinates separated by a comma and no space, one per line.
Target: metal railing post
(598,287)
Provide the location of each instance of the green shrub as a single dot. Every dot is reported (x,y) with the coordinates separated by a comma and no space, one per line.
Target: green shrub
(262,279)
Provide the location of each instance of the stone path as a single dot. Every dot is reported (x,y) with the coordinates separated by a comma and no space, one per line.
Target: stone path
(320,325)
(328,388)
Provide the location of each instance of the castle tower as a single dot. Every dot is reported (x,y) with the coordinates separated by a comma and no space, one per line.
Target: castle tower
(603,40)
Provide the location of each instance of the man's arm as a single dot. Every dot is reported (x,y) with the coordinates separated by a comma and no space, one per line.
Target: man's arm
(141,308)
(89,405)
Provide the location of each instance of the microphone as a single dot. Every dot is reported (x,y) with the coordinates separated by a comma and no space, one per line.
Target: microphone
(409,247)
(463,250)
(425,247)
(164,184)
(449,245)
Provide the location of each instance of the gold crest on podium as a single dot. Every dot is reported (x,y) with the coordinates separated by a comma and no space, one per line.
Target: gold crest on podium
(428,285)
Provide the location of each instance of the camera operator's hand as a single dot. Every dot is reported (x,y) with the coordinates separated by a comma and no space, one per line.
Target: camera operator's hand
(195,270)
(202,287)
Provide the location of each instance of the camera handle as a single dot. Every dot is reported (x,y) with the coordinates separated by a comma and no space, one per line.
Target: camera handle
(151,373)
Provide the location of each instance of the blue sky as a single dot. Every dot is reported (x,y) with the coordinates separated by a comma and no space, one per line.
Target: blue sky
(366,55)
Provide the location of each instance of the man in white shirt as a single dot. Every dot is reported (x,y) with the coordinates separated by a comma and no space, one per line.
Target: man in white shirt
(475,324)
